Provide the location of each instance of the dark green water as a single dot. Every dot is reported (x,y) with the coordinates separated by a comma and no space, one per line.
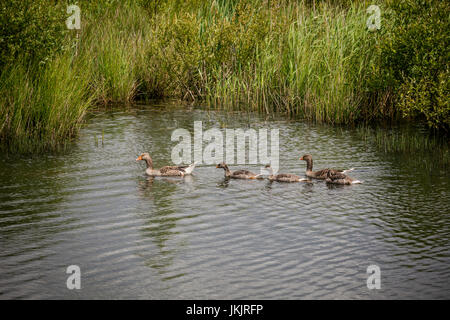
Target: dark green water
(206,237)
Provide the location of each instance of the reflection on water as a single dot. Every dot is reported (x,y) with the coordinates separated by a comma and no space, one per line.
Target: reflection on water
(161,220)
(206,236)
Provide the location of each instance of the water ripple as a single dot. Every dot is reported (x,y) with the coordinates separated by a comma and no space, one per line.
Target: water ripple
(208,237)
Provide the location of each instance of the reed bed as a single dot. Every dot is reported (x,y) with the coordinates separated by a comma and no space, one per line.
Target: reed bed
(312,60)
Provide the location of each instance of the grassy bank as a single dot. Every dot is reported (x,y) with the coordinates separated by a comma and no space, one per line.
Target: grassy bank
(314,60)
(39,111)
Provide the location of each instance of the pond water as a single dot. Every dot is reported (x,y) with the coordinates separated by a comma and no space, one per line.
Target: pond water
(205,237)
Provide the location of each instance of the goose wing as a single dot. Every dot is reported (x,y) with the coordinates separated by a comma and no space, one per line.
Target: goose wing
(173,170)
(335,175)
(243,172)
(286,177)
(324,172)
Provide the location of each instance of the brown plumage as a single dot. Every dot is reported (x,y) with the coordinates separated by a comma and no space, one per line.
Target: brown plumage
(320,174)
(283,177)
(339,178)
(167,170)
(238,174)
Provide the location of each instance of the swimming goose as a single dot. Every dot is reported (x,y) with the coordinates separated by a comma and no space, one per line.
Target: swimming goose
(283,177)
(321,174)
(339,178)
(239,174)
(167,170)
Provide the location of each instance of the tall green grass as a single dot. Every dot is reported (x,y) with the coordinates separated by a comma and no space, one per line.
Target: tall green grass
(311,60)
(41,111)
(315,69)
(269,56)
(114,43)
(43,106)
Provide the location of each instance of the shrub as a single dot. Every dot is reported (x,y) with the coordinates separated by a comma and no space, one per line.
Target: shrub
(415,59)
(31,30)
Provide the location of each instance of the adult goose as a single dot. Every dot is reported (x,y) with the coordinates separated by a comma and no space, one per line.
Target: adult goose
(321,174)
(165,171)
(283,177)
(238,174)
(339,178)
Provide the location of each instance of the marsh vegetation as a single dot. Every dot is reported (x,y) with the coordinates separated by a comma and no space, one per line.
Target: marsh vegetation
(313,60)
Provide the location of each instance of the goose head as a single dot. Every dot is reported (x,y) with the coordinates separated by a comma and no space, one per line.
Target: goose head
(223,166)
(309,161)
(148,160)
(306,157)
(145,156)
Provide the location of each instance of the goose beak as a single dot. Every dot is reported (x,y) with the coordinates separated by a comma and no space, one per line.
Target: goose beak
(139,158)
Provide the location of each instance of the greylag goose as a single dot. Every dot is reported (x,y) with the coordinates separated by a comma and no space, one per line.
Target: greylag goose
(239,174)
(167,170)
(321,174)
(339,178)
(283,177)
